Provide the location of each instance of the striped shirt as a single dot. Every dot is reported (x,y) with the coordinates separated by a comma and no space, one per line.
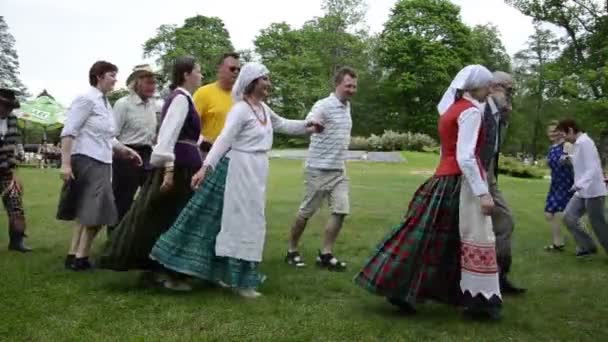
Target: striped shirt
(9,138)
(328,149)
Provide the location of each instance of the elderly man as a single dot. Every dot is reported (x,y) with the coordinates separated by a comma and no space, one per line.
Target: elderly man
(495,121)
(136,124)
(325,174)
(11,189)
(213,101)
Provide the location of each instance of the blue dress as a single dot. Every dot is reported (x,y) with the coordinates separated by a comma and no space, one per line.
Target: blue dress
(562,179)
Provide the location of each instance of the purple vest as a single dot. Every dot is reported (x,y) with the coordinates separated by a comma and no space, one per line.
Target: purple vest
(186,151)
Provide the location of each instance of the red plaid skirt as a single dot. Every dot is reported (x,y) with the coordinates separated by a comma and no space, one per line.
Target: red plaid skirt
(419,258)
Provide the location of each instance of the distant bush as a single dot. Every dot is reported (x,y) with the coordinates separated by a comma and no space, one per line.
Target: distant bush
(394,141)
(513,167)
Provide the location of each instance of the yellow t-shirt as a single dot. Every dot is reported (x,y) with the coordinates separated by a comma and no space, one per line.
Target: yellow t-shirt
(213,104)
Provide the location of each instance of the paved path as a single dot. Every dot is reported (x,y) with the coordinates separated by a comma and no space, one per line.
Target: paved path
(384,157)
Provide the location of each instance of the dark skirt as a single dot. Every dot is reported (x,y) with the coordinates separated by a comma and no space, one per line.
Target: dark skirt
(152,213)
(189,246)
(420,257)
(88,198)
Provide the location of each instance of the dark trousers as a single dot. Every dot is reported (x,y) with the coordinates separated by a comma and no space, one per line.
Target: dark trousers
(127,177)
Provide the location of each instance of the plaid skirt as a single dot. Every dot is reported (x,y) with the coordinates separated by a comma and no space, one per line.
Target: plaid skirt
(152,213)
(189,246)
(420,257)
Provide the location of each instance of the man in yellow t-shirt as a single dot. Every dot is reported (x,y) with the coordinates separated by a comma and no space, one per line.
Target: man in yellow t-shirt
(213,101)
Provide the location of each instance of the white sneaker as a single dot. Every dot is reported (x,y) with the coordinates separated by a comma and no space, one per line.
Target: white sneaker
(248,293)
(223,285)
(177,285)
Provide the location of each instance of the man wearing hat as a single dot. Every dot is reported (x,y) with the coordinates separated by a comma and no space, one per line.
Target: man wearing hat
(11,189)
(136,127)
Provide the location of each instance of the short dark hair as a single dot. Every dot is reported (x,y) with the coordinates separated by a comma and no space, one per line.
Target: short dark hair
(223,57)
(99,69)
(566,124)
(342,72)
(181,65)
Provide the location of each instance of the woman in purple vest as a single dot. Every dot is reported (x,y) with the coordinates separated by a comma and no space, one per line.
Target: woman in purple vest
(175,159)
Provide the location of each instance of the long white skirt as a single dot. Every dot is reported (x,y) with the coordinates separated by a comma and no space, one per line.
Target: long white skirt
(243,229)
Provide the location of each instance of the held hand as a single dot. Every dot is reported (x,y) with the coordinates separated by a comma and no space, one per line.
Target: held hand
(167,184)
(66,173)
(487,204)
(131,154)
(16,185)
(314,126)
(199,177)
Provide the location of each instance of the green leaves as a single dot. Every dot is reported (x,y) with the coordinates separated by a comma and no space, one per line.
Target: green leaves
(204,38)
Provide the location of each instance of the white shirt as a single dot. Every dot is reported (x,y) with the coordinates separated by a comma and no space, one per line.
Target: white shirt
(163,154)
(243,132)
(135,120)
(328,149)
(469,124)
(588,174)
(90,121)
(496,114)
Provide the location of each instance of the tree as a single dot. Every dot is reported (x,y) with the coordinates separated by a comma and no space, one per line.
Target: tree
(423,45)
(117,95)
(488,48)
(582,66)
(204,38)
(533,75)
(9,60)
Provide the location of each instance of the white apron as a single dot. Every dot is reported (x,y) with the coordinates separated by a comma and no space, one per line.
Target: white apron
(243,221)
(478,251)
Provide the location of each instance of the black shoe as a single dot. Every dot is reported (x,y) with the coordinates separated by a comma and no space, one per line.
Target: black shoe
(295,259)
(16,242)
(582,254)
(81,264)
(329,261)
(403,306)
(69,260)
(507,288)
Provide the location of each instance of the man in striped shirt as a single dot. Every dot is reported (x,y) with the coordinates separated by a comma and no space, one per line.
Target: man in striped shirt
(325,176)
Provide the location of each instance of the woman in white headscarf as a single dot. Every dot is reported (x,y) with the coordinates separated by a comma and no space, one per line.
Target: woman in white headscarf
(219,236)
(444,247)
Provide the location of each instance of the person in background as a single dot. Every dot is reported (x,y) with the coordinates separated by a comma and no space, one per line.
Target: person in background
(88,142)
(213,101)
(560,189)
(589,190)
(136,125)
(11,188)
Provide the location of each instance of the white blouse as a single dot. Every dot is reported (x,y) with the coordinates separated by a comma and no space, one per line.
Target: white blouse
(469,124)
(243,132)
(163,153)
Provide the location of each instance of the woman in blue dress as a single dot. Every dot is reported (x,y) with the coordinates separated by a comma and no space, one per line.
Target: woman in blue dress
(562,179)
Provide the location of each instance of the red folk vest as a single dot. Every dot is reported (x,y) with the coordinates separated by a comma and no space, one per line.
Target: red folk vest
(448,135)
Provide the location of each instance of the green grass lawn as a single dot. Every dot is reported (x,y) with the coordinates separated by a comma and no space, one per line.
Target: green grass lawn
(40,301)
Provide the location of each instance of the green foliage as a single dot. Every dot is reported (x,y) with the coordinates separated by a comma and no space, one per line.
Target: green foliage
(423,45)
(204,38)
(515,168)
(117,94)
(394,141)
(488,48)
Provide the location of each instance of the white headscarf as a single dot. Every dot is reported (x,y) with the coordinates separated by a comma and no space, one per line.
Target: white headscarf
(470,77)
(249,73)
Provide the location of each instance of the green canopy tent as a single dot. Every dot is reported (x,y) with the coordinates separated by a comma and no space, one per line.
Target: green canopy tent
(43,111)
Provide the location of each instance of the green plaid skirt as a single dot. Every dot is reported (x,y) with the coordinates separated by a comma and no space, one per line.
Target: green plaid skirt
(189,246)
(419,258)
